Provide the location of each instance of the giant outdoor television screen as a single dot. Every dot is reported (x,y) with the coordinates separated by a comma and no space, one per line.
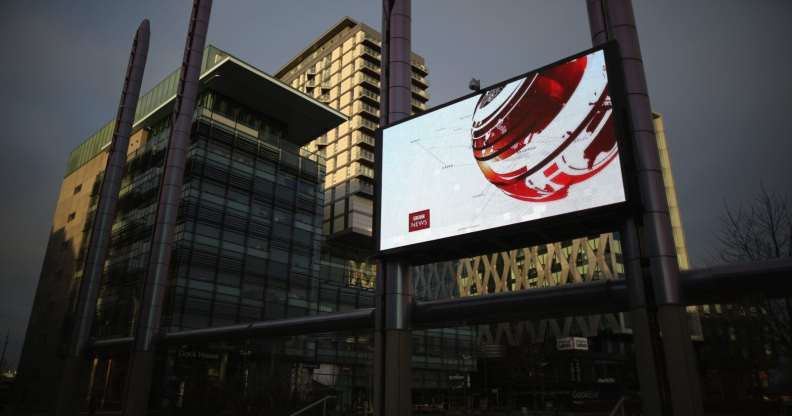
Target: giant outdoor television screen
(540,147)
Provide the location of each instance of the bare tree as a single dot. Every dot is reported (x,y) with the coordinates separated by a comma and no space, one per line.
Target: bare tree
(761,230)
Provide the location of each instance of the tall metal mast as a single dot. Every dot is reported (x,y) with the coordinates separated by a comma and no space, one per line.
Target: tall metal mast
(667,371)
(101,228)
(393,350)
(141,363)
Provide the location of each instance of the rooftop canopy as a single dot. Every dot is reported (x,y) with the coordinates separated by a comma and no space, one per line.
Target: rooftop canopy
(305,117)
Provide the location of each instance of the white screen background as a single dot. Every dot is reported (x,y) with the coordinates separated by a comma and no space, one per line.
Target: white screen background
(428,163)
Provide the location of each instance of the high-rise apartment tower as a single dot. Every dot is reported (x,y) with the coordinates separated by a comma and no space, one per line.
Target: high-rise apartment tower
(342,69)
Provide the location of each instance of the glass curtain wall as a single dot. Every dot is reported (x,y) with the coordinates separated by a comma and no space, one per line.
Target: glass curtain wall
(248,238)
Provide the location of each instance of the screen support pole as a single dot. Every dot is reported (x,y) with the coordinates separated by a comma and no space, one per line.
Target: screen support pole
(392,335)
(392,340)
(678,383)
(646,336)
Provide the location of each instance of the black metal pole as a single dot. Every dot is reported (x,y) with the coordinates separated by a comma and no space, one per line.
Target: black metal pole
(76,359)
(5,347)
(679,381)
(141,362)
(643,317)
(392,335)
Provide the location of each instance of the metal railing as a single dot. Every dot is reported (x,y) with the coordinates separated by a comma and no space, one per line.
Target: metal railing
(619,406)
(322,401)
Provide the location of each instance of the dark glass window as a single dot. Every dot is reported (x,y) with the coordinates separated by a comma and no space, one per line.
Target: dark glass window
(238,196)
(201,273)
(280,255)
(228,279)
(283,216)
(287,181)
(277,270)
(303,237)
(207,230)
(212,188)
(235,238)
(281,232)
(256,266)
(243,159)
(307,188)
(260,211)
(219,149)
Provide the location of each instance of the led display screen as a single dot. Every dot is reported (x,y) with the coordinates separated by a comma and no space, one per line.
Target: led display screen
(540,146)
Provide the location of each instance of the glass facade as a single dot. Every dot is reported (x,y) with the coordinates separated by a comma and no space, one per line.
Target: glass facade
(249,232)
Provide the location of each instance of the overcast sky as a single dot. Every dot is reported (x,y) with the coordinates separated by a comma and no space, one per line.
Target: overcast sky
(719,71)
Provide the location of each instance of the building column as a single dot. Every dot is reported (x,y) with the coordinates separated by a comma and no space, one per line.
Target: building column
(679,383)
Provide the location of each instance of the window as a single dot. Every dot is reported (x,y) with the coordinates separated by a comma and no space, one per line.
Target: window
(77,189)
(71,217)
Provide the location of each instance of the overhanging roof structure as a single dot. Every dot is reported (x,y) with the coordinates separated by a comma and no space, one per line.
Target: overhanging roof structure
(305,117)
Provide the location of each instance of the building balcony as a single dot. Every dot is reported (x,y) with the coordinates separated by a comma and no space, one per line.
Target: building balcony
(367,79)
(361,187)
(420,81)
(359,170)
(362,123)
(368,67)
(422,95)
(360,138)
(366,109)
(420,68)
(367,95)
(365,50)
(371,43)
(362,154)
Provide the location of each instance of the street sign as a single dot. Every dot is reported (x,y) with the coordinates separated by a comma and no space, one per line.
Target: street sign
(572,344)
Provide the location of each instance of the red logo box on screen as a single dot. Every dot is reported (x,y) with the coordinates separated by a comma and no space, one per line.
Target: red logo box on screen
(419,220)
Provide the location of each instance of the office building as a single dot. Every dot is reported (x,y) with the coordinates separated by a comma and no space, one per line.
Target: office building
(248,236)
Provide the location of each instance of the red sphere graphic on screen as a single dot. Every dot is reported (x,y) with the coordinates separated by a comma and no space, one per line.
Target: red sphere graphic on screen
(535,138)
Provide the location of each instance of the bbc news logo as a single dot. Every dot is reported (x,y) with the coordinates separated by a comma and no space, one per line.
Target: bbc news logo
(419,220)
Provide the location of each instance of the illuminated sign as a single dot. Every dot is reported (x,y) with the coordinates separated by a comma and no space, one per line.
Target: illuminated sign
(539,146)
(572,344)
